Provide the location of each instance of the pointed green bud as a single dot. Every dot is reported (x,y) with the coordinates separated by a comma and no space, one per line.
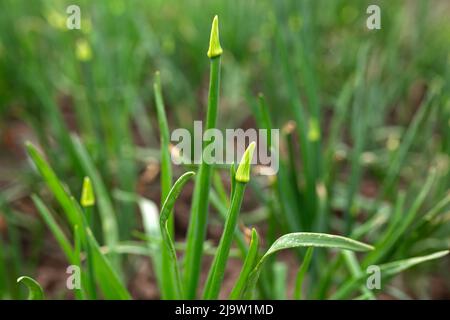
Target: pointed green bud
(314,130)
(243,170)
(215,49)
(87,193)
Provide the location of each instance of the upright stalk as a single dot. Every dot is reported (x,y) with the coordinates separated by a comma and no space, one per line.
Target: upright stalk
(215,276)
(87,201)
(199,210)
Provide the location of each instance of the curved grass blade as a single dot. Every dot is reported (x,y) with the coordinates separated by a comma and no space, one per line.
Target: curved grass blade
(303,239)
(249,264)
(35,289)
(54,228)
(167,239)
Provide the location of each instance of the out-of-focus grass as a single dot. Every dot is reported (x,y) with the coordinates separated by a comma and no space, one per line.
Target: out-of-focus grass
(371,112)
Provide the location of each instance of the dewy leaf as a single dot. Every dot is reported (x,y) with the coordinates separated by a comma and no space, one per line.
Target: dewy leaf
(214,49)
(196,233)
(303,239)
(35,289)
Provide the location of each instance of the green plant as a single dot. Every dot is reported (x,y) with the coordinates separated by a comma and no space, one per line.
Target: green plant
(363,151)
(199,209)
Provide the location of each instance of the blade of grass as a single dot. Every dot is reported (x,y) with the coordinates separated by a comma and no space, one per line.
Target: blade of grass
(149,212)
(279,280)
(167,238)
(388,241)
(169,286)
(406,143)
(199,210)
(79,292)
(166,168)
(247,267)
(105,206)
(13,250)
(302,239)
(358,133)
(387,270)
(355,270)
(35,289)
(87,201)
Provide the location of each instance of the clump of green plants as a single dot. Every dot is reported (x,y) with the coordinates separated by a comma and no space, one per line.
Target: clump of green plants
(296,202)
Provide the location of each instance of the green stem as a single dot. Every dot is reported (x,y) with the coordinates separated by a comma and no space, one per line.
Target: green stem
(217,270)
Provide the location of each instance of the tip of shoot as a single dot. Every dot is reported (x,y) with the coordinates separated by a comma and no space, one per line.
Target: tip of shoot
(87,193)
(29,145)
(215,49)
(83,50)
(243,170)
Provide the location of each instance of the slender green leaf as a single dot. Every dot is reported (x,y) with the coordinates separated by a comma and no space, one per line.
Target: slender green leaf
(302,272)
(199,209)
(167,239)
(54,184)
(105,206)
(108,280)
(387,270)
